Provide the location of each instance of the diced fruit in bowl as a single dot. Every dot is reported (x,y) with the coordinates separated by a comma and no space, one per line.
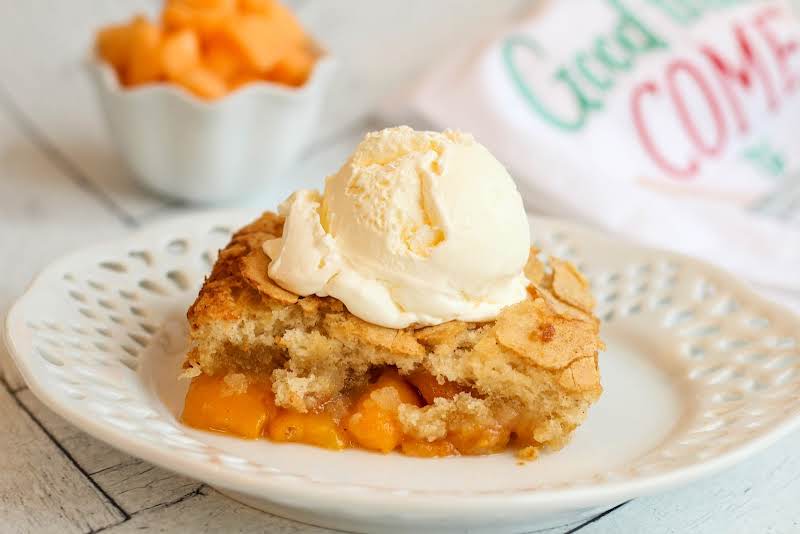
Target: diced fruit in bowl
(214,99)
(210,47)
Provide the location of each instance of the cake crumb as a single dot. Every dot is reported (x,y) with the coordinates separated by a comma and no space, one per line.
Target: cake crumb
(235,384)
(527,454)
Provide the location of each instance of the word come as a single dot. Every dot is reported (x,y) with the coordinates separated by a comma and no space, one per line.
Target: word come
(722,91)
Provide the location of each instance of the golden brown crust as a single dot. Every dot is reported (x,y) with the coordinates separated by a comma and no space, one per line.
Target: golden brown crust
(535,332)
(540,355)
(241,266)
(571,286)
(534,269)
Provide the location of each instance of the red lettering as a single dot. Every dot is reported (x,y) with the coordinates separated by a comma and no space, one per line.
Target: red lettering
(680,66)
(744,72)
(750,67)
(782,50)
(650,88)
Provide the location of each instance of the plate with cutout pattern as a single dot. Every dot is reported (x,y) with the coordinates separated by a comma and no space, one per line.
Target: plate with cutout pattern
(699,373)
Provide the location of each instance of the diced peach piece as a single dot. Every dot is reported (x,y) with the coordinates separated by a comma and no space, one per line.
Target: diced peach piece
(374,423)
(206,18)
(202,83)
(211,405)
(222,59)
(292,30)
(290,26)
(113,45)
(293,68)
(144,62)
(180,53)
(210,46)
(244,78)
(427,449)
(261,40)
(262,7)
(430,388)
(475,439)
(390,377)
(311,428)
(228,5)
(374,428)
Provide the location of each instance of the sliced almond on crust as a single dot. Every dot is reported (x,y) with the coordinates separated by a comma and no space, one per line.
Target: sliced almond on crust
(442,333)
(533,330)
(581,375)
(570,286)
(534,269)
(254,269)
(558,306)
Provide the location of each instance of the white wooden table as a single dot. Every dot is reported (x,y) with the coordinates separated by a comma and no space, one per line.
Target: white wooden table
(62,186)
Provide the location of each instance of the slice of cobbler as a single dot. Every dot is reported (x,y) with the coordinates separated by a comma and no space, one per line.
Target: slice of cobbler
(266,362)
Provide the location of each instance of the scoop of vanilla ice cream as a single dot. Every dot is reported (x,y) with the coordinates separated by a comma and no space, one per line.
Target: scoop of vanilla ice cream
(417,228)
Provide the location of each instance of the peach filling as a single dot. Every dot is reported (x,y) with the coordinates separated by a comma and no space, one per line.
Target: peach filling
(368,418)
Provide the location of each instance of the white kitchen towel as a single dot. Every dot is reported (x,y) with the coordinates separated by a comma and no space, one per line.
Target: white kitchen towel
(674,122)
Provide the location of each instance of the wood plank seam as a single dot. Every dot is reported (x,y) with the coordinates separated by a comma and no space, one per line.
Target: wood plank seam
(111,468)
(597,518)
(57,158)
(14,391)
(133,483)
(197,491)
(8,387)
(69,456)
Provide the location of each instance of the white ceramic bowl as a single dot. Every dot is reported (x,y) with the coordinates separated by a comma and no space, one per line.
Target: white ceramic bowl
(207,152)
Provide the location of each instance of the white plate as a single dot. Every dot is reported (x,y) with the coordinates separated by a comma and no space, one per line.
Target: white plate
(699,373)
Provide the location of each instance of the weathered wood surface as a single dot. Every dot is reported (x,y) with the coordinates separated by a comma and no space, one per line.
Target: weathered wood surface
(209,511)
(133,484)
(759,496)
(41,489)
(62,186)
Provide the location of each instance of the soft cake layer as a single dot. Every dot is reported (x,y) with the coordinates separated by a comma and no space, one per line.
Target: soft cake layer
(532,372)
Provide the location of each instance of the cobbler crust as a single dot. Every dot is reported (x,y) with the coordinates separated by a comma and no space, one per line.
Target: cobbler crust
(538,358)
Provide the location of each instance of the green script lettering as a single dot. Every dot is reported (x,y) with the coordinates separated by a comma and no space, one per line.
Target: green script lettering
(607,58)
(633,34)
(586,103)
(582,61)
(589,72)
(509,46)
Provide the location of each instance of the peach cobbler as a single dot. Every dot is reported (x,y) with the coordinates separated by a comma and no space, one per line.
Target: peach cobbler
(390,340)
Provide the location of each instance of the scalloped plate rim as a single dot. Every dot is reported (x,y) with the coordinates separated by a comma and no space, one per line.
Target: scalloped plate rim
(274,486)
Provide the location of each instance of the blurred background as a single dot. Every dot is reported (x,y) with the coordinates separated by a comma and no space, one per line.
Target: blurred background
(379,46)
(63,184)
